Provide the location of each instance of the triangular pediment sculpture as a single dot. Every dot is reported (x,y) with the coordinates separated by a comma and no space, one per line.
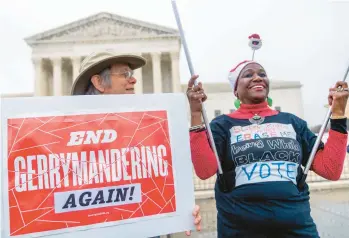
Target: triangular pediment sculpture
(102,26)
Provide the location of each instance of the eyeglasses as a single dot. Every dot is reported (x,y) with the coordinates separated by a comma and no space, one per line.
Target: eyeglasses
(127,74)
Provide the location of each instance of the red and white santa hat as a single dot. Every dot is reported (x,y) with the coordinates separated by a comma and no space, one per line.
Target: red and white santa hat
(236,71)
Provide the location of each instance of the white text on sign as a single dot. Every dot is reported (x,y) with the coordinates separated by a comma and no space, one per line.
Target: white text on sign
(89,167)
(92,137)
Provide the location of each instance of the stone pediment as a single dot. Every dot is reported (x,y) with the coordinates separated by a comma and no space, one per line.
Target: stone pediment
(102,26)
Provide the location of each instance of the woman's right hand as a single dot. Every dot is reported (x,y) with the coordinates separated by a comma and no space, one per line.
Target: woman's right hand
(195,95)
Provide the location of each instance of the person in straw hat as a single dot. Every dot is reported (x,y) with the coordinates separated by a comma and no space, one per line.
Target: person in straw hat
(106,72)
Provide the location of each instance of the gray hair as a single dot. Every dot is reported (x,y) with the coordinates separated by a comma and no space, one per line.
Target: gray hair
(105,75)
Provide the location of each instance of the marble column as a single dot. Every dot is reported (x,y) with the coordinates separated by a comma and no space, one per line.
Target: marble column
(139,84)
(76,61)
(175,77)
(57,77)
(157,80)
(40,83)
(138,76)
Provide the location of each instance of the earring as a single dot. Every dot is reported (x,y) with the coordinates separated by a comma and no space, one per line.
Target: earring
(237,103)
(270,101)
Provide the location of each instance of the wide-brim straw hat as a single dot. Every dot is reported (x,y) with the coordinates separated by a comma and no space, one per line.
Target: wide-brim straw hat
(97,62)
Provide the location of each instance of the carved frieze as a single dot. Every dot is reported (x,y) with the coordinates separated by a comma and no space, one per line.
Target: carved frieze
(104,28)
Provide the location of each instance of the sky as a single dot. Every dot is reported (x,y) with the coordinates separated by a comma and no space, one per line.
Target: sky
(303,40)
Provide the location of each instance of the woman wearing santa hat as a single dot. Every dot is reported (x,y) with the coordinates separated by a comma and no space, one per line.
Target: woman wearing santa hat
(264,151)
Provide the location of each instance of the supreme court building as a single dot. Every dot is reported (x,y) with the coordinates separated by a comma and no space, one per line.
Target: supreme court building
(57,53)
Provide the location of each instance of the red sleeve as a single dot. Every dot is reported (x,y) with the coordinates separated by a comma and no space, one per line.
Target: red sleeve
(203,158)
(329,162)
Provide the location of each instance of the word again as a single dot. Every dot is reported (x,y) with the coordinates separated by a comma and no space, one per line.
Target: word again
(97,198)
(92,137)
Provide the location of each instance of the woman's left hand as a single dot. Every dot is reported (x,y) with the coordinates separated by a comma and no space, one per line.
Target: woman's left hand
(338,98)
(197,220)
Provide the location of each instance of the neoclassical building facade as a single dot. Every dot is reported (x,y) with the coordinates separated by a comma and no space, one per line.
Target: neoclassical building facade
(57,53)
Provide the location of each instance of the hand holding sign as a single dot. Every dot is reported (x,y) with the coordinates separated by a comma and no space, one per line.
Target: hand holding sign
(197,221)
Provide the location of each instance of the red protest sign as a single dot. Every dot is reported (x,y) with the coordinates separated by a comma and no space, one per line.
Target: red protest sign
(81,170)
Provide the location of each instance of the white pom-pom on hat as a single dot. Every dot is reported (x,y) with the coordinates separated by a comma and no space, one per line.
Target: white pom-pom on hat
(255,41)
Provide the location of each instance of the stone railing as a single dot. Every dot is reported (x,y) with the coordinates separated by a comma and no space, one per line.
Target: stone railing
(313,179)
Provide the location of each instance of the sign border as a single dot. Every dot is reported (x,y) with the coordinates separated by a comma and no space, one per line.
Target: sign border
(176,107)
